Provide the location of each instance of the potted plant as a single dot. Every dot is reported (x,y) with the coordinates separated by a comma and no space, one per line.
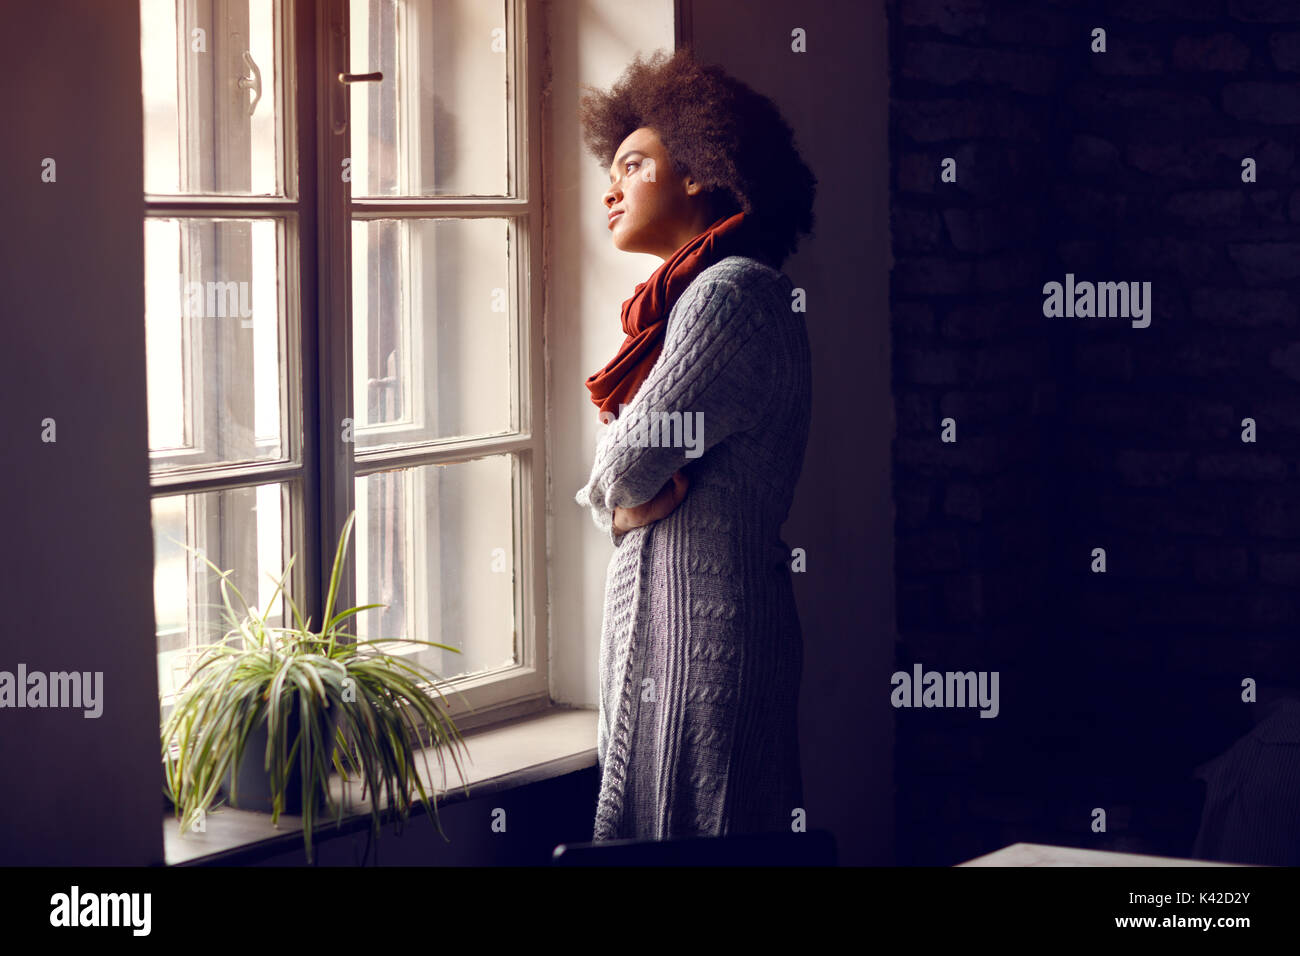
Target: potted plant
(303,701)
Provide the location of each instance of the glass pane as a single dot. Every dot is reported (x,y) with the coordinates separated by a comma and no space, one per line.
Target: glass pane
(211,75)
(215,342)
(436,545)
(432,333)
(243,530)
(438,123)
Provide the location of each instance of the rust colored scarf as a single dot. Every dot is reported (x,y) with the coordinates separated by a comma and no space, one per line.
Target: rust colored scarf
(645,315)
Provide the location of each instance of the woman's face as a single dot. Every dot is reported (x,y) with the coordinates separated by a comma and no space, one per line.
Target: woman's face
(657,212)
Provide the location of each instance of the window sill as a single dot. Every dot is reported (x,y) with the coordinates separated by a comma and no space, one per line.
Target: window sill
(513,754)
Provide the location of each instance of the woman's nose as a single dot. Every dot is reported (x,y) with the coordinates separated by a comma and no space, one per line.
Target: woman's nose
(610,196)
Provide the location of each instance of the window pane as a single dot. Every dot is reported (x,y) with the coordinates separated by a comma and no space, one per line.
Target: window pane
(436,545)
(437,125)
(242,530)
(433,328)
(215,337)
(211,70)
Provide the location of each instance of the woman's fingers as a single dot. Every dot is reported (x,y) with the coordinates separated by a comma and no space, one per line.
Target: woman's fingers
(660,506)
(655,508)
(679,486)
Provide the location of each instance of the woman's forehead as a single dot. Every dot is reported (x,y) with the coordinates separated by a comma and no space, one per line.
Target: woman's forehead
(644,139)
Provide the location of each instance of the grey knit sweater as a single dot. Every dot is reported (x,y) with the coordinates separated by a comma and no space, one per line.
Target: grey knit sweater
(701,649)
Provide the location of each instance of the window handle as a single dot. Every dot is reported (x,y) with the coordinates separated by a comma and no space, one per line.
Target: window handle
(253,82)
(361,77)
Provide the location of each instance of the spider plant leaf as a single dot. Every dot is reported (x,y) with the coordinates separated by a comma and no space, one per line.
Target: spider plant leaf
(344,615)
(337,571)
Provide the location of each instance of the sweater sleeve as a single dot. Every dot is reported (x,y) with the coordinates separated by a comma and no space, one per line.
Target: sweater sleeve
(710,382)
(602,515)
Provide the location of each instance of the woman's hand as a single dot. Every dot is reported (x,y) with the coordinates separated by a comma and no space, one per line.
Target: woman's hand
(660,506)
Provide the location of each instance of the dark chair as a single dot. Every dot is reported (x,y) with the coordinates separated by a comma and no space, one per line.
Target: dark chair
(815,848)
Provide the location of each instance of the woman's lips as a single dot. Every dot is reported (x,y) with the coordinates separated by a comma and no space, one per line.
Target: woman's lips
(612,217)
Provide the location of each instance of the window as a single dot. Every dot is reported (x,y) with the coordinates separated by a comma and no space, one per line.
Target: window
(343,310)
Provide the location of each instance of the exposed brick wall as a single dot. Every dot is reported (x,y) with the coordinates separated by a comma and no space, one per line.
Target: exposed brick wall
(1078,433)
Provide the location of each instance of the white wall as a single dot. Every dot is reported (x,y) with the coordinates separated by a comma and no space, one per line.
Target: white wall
(591,43)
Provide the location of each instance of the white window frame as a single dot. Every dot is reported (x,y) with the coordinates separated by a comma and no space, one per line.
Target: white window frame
(316,307)
(291,468)
(481,699)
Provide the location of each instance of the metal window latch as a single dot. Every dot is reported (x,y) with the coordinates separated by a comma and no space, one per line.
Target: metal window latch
(361,77)
(253,82)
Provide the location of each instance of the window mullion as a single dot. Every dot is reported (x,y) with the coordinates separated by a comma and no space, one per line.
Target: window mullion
(334,325)
(486,207)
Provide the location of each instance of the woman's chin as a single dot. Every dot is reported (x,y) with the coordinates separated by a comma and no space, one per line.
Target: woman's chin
(618,236)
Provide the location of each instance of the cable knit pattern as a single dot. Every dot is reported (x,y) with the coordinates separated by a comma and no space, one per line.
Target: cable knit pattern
(701,650)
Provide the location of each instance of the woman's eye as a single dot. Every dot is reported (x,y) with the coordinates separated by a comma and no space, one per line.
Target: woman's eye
(630,162)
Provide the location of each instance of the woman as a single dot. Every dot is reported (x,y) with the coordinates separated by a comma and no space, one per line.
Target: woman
(706,407)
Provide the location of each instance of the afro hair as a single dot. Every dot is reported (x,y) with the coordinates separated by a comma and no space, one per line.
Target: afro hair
(716,129)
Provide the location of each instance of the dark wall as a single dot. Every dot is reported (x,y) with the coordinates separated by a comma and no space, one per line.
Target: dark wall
(1081,433)
(76,574)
